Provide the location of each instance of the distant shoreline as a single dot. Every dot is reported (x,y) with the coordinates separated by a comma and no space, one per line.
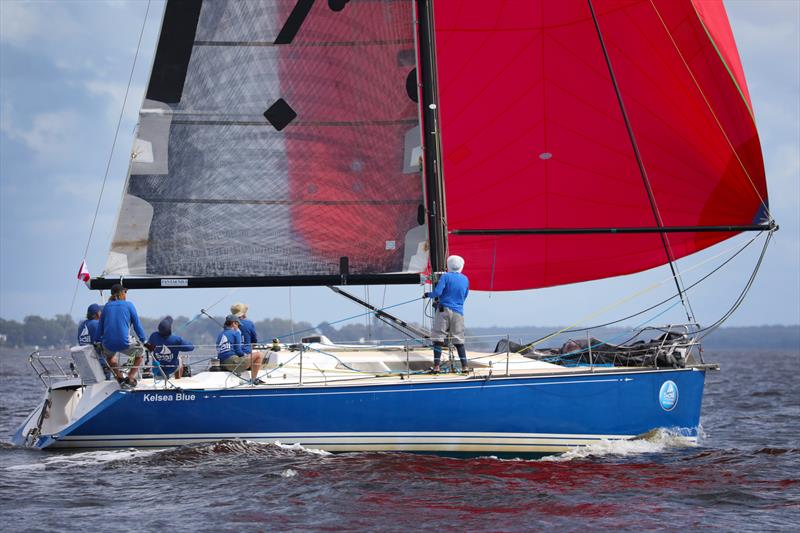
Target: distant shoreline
(61,331)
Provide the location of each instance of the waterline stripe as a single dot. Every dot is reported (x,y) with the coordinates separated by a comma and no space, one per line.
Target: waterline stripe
(370,434)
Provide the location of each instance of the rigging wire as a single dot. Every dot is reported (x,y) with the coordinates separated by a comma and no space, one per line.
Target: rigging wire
(367,319)
(708,330)
(291,316)
(316,328)
(642,171)
(711,109)
(696,283)
(626,299)
(113,146)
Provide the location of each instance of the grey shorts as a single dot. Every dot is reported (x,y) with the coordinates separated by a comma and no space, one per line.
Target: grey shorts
(448,322)
(134,350)
(236,363)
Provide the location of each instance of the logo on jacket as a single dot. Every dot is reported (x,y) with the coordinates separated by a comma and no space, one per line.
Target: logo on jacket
(224,345)
(164,354)
(668,395)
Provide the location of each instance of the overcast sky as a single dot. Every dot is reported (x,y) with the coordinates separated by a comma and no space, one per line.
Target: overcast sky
(64,67)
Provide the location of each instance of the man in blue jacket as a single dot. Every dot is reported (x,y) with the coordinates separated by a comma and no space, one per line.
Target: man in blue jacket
(449,295)
(88,329)
(89,333)
(230,353)
(116,321)
(166,349)
(247,328)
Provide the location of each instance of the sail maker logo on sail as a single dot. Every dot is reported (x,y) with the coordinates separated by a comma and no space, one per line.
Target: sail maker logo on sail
(668,395)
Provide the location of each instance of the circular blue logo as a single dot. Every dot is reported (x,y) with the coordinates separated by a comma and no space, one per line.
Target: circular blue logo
(668,395)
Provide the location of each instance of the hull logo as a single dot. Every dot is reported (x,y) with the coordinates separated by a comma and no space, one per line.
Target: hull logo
(668,395)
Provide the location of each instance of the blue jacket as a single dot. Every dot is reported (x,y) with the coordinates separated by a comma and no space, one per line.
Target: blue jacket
(249,336)
(452,290)
(229,343)
(88,332)
(115,323)
(167,349)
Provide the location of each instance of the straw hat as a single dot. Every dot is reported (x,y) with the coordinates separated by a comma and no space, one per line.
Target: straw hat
(239,309)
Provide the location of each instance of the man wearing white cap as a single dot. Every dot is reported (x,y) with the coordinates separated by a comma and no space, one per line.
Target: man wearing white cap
(451,291)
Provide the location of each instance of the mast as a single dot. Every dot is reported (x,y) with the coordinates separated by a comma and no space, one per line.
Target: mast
(434,183)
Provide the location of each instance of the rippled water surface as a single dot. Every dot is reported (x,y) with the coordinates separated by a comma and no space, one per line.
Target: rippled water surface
(744,475)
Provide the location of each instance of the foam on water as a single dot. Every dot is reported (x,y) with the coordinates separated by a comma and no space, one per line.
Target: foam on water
(29,466)
(82,459)
(300,448)
(656,441)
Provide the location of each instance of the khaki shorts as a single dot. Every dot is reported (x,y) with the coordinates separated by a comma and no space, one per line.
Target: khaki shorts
(236,363)
(134,350)
(448,322)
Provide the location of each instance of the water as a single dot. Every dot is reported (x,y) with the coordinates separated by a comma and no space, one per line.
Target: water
(744,475)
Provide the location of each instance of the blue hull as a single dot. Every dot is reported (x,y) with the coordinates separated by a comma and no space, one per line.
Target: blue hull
(542,414)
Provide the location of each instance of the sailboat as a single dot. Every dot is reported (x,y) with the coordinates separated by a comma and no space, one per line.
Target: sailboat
(355,142)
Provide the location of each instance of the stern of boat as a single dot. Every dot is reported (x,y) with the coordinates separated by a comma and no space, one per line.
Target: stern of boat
(75,386)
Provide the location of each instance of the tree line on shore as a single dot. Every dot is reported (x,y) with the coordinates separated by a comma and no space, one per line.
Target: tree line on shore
(62,331)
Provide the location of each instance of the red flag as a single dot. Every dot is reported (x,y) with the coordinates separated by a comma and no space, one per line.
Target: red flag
(83,273)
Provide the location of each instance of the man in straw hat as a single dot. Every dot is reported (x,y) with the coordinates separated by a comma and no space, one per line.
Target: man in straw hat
(449,295)
(248,329)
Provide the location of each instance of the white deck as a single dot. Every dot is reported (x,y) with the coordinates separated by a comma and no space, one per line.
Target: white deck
(345,365)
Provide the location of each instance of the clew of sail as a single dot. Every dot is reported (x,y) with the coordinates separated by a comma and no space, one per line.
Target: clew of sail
(534,137)
(276,137)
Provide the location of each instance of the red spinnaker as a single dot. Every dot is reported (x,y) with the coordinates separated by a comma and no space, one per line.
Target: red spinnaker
(533,135)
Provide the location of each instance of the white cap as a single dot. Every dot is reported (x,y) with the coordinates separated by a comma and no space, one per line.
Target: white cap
(455,263)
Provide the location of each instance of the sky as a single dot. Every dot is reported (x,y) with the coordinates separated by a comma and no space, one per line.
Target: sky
(64,69)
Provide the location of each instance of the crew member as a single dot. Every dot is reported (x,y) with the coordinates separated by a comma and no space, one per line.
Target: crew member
(88,329)
(166,350)
(230,353)
(449,295)
(248,330)
(115,333)
(89,333)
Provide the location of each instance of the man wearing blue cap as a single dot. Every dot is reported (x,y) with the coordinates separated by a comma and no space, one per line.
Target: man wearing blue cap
(88,329)
(89,333)
(230,353)
(166,350)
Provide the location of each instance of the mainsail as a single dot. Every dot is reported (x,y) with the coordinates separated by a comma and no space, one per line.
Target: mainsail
(535,139)
(276,138)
